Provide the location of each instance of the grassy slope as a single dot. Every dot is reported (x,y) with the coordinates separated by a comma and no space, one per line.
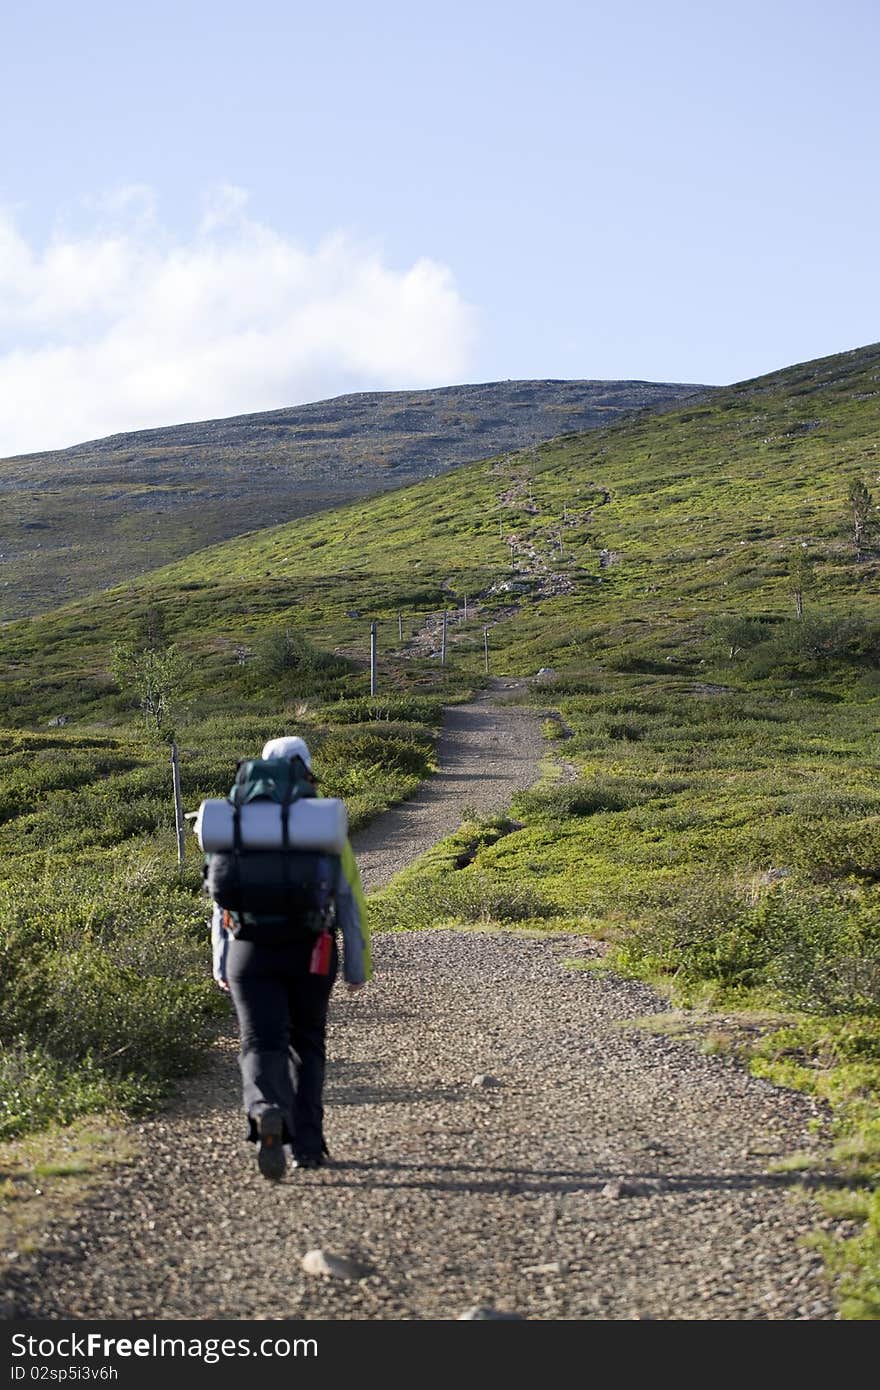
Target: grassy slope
(717,820)
(705,502)
(82,518)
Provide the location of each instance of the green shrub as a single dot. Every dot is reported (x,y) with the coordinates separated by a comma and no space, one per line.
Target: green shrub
(828,850)
(623,731)
(401,748)
(283,651)
(466,896)
(702,933)
(738,632)
(586,797)
(418,709)
(814,645)
(825,951)
(37,1090)
(820,953)
(104,981)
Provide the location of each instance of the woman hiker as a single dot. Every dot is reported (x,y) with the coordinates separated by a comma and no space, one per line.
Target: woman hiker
(281,994)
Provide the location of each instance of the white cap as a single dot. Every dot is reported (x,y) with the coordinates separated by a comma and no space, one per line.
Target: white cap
(292,747)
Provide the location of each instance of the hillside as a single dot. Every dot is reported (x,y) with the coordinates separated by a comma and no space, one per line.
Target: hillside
(630,539)
(709,821)
(87,517)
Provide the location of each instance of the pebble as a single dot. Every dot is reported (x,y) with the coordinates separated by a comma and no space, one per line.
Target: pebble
(332,1266)
(617,1188)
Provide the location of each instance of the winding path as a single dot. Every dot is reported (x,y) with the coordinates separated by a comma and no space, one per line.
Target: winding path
(488,750)
(504,1138)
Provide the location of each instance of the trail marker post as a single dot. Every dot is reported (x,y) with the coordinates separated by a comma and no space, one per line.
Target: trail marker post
(486,647)
(465,608)
(400,627)
(443,640)
(373,658)
(178,803)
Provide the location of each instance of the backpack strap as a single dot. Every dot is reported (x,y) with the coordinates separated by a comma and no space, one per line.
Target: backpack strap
(236,848)
(285,839)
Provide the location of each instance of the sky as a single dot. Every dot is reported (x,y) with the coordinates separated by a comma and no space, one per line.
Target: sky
(209,208)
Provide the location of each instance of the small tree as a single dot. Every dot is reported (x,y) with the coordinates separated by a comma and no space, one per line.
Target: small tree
(861,514)
(155,676)
(800,577)
(738,632)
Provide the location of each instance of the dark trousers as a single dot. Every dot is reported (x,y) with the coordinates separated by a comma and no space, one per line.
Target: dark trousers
(282,1021)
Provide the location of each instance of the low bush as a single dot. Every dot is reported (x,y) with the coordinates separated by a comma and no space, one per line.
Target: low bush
(37,1090)
(469,896)
(815,645)
(417,709)
(818,953)
(104,984)
(585,797)
(283,650)
(828,850)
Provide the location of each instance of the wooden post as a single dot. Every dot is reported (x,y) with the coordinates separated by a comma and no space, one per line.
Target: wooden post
(443,641)
(400,626)
(373,681)
(512,555)
(486,647)
(465,608)
(178,802)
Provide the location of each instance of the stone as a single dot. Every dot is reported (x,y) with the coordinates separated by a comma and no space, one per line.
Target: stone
(485,1081)
(617,1188)
(330,1266)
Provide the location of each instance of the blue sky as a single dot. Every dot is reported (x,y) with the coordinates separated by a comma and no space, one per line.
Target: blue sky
(207,208)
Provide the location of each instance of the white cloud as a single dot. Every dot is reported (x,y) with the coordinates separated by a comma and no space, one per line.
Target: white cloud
(125,328)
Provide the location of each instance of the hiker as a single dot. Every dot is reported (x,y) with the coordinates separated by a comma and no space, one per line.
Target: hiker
(281,994)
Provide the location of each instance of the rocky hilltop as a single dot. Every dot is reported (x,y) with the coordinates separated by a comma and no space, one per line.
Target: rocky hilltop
(98,513)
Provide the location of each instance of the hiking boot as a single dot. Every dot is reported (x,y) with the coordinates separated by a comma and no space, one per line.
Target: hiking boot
(270,1146)
(311,1159)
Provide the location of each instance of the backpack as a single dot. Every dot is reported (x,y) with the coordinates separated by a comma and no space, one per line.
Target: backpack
(273,896)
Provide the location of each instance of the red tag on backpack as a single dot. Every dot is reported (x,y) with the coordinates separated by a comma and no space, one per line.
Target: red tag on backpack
(321,955)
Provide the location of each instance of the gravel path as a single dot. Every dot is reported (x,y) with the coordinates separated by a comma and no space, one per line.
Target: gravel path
(488,750)
(597,1172)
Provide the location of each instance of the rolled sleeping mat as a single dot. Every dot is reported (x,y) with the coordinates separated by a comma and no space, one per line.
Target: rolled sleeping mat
(319,822)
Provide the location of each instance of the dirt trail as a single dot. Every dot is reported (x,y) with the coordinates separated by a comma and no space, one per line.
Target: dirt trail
(487,751)
(503,1137)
